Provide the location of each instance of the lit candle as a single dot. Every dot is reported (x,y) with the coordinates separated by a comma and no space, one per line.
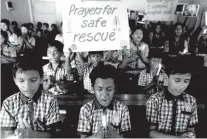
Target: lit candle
(104,124)
(159,68)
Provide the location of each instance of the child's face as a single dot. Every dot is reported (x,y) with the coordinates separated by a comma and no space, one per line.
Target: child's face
(154,62)
(28,82)
(39,34)
(53,54)
(104,91)
(52,27)
(24,30)
(178,30)
(138,35)
(95,58)
(2,40)
(158,29)
(133,15)
(4,27)
(204,35)
(167,44)
(44,27)
(177,83)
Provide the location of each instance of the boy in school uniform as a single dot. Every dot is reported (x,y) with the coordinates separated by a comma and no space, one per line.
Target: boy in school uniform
(84,69)
(57,74)
(154,77)
(172,113)
(31,112)
(104,116)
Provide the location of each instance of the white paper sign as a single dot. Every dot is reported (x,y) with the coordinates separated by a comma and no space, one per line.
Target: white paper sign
(160,10)
(95,25)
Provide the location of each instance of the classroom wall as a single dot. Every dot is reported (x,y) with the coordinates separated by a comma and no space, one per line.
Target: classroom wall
(21,9)
(20,13)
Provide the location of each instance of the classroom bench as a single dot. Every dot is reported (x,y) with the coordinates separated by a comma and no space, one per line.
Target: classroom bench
(70,107)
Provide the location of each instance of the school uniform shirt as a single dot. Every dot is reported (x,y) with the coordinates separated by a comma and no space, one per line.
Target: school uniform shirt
(84,71)
(159,112)
(146,77)
(40,112)
(13,39)
(143,47)
(90,117)
(59,74)
(56,75)
(9,51)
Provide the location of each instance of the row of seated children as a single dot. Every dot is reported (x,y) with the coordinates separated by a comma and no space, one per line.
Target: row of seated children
(26,39)
(133,61)
(60,76)
(176,43)
(16,43)
(158,34)
(33,112)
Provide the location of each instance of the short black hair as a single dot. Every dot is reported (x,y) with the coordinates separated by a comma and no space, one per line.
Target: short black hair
(31,24)
(6,21)
(39,24)
(180,65)
(14,23)
(54,25)
(177,24)
(25,64)
(56,44)
(95,52)
(25,25)
(46,24)
(104,72)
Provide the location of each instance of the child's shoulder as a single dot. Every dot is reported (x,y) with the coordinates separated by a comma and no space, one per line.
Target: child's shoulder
(189,98)
(144,45)
(118,104)
(46,65)
(47,96)
(88,106)
(156,97)
(12,99)
(144,71)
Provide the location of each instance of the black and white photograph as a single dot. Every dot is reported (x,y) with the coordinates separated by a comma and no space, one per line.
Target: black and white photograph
(103,69)
(190,10)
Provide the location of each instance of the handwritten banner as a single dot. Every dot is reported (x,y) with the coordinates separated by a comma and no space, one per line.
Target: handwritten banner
(95,26)
(160,10)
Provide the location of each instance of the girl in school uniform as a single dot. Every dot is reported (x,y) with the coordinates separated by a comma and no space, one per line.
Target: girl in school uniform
(12,37)
(178,42)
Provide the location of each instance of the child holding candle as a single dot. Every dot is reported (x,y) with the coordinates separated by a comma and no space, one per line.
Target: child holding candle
(154,77)
(104,116)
